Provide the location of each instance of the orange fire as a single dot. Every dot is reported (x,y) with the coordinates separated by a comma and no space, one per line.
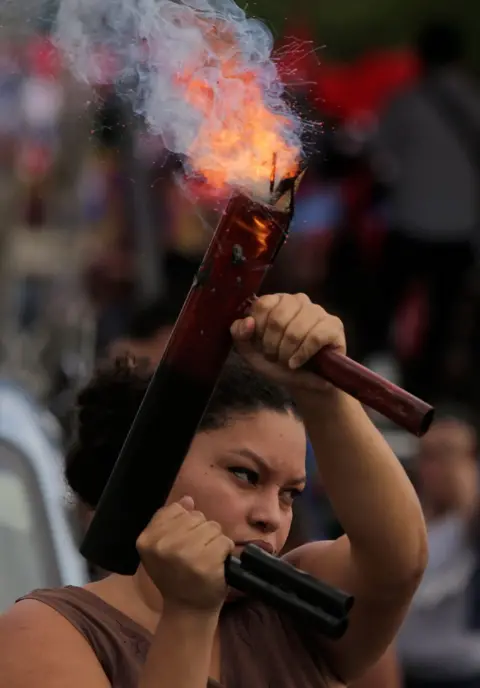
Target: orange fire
(240,139)
(261,231)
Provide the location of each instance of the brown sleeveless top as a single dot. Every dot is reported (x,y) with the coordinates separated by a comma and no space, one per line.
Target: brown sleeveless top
(260,648)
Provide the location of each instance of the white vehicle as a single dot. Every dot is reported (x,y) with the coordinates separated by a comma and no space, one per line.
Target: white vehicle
(38,547)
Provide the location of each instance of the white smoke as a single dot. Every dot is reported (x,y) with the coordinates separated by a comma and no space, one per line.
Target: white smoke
(156,41)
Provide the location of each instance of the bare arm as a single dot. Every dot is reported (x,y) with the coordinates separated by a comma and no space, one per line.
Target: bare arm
(384,674)
(383,555)
(181,651)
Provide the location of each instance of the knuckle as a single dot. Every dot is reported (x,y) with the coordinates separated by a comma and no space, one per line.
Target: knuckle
(267,302)
(337,323)
(160,516)
(317,337)
(303,298)
(197,517)
(291,337)
(153,551)
(142,542)
(276,322)
(159,548)
(172,510)
(214,527)
(228,544)
(262,304)
(319,312)
(152,533)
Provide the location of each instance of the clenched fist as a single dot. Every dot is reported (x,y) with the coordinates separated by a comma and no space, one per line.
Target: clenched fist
(184,555)
(283,332)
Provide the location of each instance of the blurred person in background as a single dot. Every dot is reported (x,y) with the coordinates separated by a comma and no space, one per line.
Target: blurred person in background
(426,152)
(40,112)
(148,332)
(439,643)
(11,77)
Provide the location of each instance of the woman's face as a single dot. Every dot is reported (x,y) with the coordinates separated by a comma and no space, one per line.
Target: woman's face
(246,476)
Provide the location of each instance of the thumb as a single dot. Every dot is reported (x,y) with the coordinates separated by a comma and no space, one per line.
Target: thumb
(187,503)
(243,330)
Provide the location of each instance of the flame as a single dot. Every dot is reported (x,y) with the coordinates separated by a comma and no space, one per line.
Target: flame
(240,142)
(260,229)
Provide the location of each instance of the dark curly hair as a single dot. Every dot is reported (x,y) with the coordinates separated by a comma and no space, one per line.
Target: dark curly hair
(107,406)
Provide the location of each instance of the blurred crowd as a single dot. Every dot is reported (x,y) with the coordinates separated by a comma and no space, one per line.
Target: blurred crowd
(102,232)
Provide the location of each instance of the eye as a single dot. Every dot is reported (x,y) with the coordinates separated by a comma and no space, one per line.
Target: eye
(290,495)
(245,474)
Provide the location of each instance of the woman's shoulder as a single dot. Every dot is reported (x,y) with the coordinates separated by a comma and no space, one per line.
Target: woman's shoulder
(81,618)
(40,647)
(86,609)
(41,610)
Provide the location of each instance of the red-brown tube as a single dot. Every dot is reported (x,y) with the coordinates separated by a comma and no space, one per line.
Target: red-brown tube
(374,391)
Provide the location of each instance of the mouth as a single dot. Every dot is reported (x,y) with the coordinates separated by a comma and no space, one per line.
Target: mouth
(266,546)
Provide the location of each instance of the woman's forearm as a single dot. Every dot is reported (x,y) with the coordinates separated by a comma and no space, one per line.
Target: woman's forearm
(370,492)
(181,651)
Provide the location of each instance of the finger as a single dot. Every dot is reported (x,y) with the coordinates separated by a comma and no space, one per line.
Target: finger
(187,531)
(187,503)
(243,330)
(167,513)
(207,533)
(219,548)
(260,311)
(277,323)
(191,520)
(328,331)
(165,528)
(297,330)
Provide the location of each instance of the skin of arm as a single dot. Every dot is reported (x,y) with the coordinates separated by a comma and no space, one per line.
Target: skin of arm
(384,674)
(382,557)
(181,650)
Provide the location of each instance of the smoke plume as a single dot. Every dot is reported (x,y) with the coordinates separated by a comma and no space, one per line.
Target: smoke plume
(201,74)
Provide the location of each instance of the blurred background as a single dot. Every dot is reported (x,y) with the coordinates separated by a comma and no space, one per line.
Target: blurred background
(101,233)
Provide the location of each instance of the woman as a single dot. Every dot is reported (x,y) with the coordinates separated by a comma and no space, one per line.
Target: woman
(174,623)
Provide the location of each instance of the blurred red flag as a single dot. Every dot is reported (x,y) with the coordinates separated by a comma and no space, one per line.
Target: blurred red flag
(343,90)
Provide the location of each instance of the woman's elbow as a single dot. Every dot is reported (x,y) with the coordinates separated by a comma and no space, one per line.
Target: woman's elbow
(416,556)
(385,673)
(399,569)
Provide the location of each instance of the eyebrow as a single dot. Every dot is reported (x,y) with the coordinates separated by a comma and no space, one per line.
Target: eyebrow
(260,461)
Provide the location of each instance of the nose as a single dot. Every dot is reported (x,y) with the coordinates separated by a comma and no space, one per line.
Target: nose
(266,513)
